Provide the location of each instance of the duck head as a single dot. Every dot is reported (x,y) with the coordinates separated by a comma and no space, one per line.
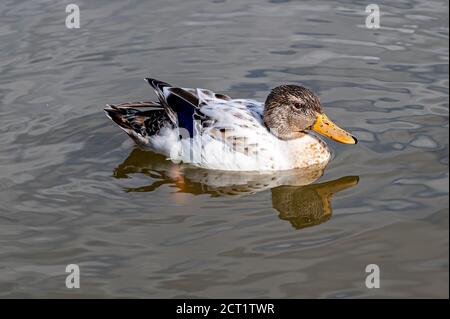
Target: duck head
(292,110)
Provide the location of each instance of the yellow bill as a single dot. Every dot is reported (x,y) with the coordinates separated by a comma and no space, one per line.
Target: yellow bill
(327,128)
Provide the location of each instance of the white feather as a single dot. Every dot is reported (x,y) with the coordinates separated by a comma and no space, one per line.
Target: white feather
(243,120)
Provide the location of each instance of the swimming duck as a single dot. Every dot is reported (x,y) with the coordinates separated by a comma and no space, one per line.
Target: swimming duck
(213,131)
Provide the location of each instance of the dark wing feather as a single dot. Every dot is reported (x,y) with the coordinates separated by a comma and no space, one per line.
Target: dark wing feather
(140,104)
(131,116)
(182,105)
(159,87)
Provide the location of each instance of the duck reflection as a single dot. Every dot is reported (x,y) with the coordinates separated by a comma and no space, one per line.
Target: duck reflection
(294,196)
(308,205)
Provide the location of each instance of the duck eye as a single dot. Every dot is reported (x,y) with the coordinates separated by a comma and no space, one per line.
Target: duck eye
(297,105)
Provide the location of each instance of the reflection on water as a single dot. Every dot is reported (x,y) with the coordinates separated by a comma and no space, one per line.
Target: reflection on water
(309,205)
(301,204)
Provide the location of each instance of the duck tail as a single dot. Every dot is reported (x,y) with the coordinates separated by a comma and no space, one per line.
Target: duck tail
(137,123)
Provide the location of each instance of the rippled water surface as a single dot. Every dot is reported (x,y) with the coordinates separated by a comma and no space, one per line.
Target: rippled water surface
(75,190)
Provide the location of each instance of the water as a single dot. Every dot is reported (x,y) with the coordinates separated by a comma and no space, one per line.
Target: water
(74,190)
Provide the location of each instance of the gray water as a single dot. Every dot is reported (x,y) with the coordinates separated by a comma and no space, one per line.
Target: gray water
(75,190)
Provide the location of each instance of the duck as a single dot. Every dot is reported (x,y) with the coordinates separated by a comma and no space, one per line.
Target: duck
(211,130)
